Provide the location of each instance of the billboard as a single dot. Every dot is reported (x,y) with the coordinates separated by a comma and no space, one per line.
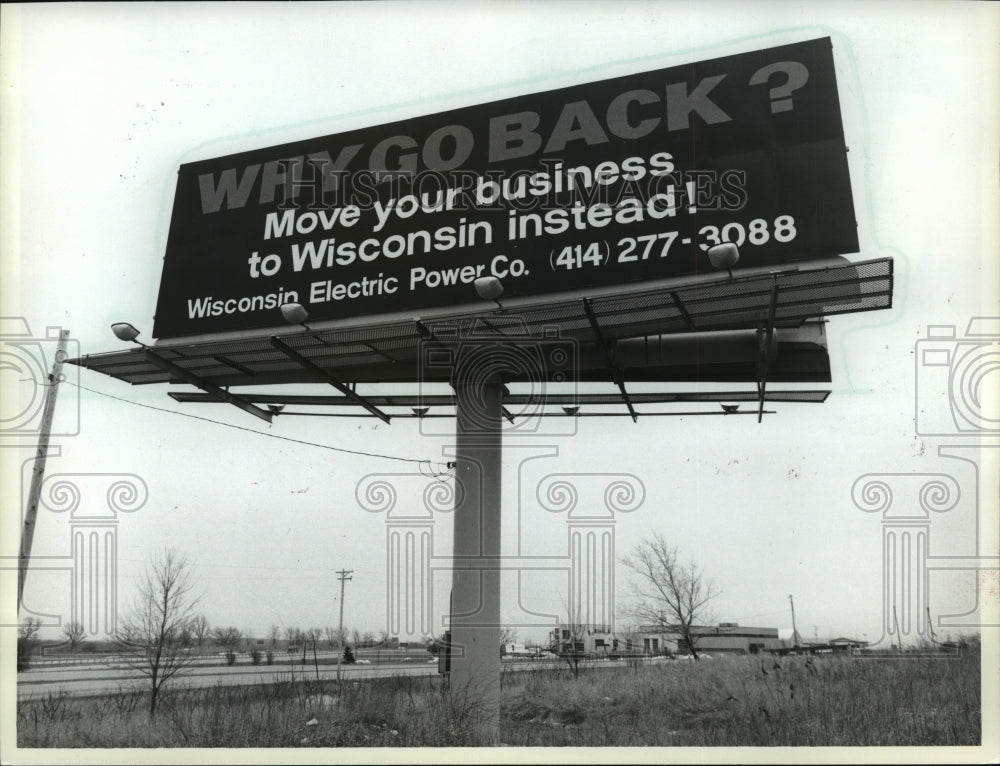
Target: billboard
(606,183)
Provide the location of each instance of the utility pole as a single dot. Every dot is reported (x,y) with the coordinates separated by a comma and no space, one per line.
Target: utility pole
(38,472)
(895,621)
(342,574)
(795,632)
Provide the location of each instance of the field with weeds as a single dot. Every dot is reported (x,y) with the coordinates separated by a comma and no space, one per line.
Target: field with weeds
(726,701)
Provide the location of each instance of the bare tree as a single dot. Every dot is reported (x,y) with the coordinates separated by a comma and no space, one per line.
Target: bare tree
(274,634)
(152,627)
(27,637)
(335,639)
(227,638)
(75,633)
(199,629)
(674,596)
(507,636)
(568,641)
(628,639)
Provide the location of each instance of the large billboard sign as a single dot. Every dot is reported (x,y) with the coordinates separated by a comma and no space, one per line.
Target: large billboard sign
(605,183)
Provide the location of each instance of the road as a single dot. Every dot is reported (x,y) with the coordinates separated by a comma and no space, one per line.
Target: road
(81,680)
(88,680)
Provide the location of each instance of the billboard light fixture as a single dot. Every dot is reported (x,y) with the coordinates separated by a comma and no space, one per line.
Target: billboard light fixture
(724,256)
(730,409)
(126,332)
(489,289)
(295,313)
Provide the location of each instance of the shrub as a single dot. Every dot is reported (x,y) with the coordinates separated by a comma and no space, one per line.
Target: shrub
(270,657)
(348,655)
(23,654)
(256,656)
(230,657)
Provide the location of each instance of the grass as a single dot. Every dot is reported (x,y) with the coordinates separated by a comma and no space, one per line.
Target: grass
(728,701)
(744,701)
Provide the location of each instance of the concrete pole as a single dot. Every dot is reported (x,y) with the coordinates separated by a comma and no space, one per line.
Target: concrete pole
(475,613)
(38,471)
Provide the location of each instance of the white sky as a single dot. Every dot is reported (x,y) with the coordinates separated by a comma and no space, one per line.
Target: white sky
(102,103)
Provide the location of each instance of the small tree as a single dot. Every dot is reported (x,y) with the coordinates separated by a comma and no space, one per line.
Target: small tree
(673,595)
(314,636)
(227,638)
(199,629)
(507,636)
(153,625)
(348,655)
(75,633)
(27,637)
(334,638)
(569,643)
(274,634)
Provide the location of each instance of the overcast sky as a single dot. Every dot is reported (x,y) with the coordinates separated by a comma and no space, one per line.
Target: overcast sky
(101,105)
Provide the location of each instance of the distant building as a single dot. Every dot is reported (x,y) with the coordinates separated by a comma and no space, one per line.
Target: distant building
(596,640)
(724,637)
(846,644)
(657,640)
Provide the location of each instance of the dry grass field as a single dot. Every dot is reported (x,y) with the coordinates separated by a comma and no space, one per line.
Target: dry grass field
(724,701)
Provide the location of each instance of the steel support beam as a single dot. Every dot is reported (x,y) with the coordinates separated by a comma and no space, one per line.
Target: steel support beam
(347,391)
(189,377)
(764,337)
(616,373)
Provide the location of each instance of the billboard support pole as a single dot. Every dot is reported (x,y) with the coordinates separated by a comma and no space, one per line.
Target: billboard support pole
(475,611)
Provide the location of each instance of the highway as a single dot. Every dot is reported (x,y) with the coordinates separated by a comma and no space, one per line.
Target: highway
(110,677)
(87,680)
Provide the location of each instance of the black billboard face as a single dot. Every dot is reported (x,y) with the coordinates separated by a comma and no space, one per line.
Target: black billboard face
(607,183)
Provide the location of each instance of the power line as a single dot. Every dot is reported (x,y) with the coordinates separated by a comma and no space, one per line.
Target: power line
(429,463)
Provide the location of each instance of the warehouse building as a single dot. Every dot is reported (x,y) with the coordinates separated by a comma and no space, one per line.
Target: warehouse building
(653,640)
